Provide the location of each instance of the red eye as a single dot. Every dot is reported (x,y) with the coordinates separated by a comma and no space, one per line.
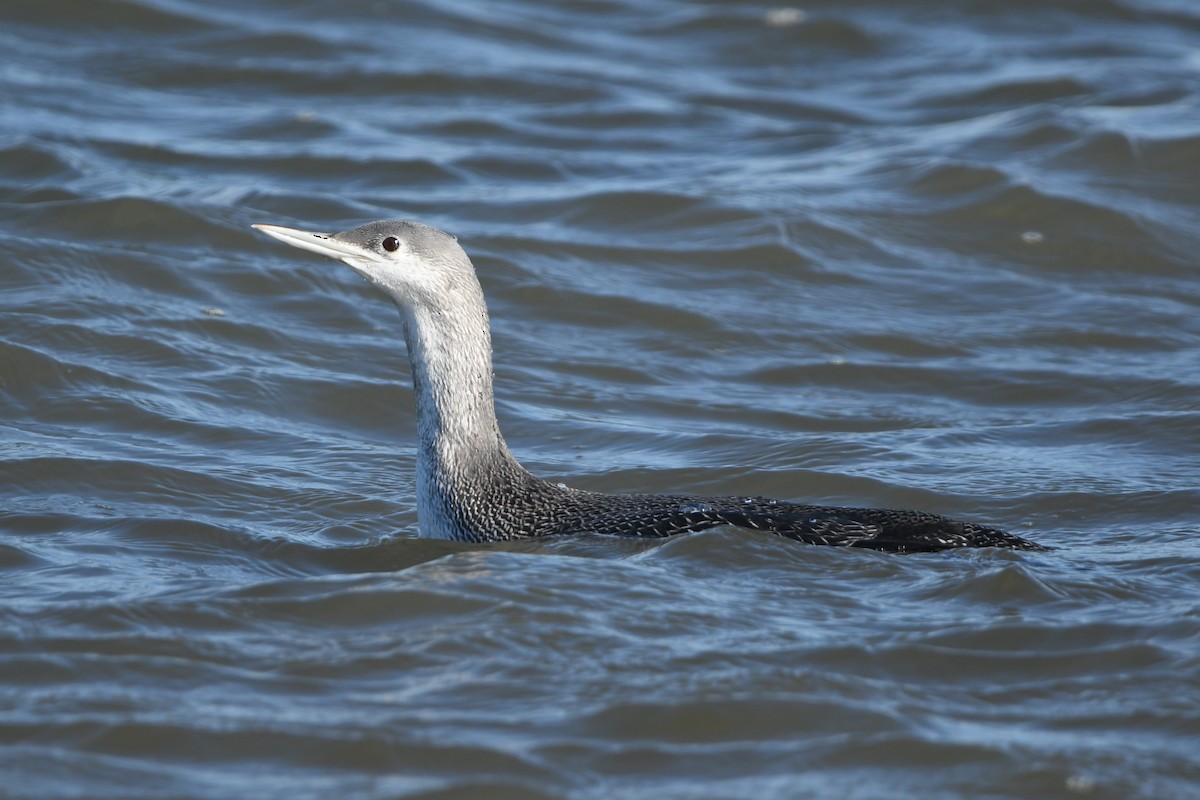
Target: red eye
(391,244)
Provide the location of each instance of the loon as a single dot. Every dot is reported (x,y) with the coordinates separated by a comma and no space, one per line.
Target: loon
(470,487)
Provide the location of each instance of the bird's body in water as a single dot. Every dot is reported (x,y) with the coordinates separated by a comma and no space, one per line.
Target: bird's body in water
(470,487)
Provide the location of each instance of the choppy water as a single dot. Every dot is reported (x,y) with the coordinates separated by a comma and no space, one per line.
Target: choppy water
(900,254)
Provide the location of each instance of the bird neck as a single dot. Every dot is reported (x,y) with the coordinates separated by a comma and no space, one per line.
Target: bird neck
(460,444)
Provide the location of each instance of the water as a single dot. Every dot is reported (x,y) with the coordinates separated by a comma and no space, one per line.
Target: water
(894,254)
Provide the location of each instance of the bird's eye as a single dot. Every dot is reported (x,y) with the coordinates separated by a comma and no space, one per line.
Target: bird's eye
(391,244)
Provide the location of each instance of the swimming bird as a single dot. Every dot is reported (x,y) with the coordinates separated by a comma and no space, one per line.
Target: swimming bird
(470,486)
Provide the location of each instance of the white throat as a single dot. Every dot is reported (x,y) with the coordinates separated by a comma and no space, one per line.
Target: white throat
(449,347)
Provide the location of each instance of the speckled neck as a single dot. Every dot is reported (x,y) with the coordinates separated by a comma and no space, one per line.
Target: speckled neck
(450,349)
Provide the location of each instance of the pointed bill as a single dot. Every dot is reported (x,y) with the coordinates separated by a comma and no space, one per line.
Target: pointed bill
(321,243)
